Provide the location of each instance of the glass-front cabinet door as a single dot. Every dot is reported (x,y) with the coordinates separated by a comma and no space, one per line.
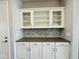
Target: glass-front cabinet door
(57,17)
(42,18)
(26,19)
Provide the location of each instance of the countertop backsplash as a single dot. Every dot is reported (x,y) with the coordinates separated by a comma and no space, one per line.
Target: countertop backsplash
(41,33)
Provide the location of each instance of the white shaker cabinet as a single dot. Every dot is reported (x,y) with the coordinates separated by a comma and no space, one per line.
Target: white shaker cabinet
(35,52)
(62,50)
(48,50)
(42,50)
(51,17)
(22,50)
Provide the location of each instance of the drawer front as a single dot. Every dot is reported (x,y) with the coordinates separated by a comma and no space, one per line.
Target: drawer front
(63,44)
(48,43)
(35,43)
(22,43)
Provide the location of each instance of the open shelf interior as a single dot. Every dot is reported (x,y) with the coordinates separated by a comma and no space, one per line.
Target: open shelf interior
(41,24)
(41,18)
(26,18)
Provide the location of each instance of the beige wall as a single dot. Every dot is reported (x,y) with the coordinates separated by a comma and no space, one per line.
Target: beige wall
(67,33)
(53,3)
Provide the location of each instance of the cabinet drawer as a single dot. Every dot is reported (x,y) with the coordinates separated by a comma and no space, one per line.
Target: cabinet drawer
(22,43)
(48,43)
(63,44)
(35,43)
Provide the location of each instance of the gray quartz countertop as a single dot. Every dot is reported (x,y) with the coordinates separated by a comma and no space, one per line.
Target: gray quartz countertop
(42,39)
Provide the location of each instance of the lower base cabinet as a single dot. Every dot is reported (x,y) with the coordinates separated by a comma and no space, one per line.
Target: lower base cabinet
(48,50)
(42,50)
(35,50)
(62,50)
(22,50)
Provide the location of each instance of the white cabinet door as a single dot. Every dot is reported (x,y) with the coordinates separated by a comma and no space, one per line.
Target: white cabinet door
(62,50)
(26,19)
(35,52)
(22,51)
(57,18)
(48,50)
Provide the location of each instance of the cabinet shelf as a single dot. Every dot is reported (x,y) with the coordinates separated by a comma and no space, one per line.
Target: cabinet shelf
(41,17)
(56,20)
(41,21)
(26,21)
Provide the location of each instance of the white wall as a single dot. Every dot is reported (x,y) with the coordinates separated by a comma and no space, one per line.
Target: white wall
(75,40)
(78,49)
(68,19)
(72,26)
(67,33)
(53,3)
(15,31)
(11,28)
(16,20)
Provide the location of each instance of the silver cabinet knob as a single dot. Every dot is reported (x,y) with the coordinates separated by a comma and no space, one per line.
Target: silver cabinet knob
(5,41)
(5,37)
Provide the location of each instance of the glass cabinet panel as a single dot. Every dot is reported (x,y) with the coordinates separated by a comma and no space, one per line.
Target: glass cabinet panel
(26,18)
(57,18)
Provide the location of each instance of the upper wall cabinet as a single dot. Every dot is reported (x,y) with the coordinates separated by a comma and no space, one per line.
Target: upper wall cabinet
(42,17)
(26,19)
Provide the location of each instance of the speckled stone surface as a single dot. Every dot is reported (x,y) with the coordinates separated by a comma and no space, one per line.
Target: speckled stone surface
(41,32)
(42,39)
